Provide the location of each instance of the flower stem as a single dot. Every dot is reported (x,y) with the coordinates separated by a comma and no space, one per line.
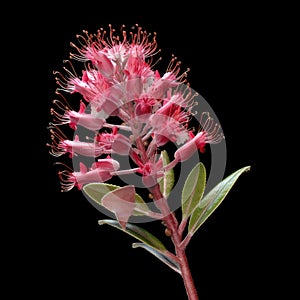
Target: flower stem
(176,232)
(172,224)
(187,276)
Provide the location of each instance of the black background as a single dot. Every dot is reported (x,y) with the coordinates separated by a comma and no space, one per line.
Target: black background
(59,245)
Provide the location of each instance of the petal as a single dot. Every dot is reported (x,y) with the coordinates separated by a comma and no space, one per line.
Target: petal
(121,202)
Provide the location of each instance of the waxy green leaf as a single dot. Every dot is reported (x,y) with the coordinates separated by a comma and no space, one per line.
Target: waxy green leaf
(96,192)
(212,200)
(166,182)
(163,256)
(193,189)
(137,232)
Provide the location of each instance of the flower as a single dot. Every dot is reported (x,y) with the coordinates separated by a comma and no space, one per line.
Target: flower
(86,120)
(150,171)
(100,171)
(129,108)
(114,142)
(209,134)
(61,146)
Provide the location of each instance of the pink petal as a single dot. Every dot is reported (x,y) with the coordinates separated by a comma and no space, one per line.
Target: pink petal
(121,202)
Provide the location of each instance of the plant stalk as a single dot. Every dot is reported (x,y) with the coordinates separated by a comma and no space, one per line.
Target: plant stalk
(176,232)
(172,224)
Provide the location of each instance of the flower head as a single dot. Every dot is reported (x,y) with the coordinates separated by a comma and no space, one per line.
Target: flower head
(121,92)
(119,104)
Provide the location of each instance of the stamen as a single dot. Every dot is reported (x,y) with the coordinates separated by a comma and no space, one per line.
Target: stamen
(66,166)
(174,65)
(72,67)
(61,80)
(156,62)
(67,106)
(124,172)
(123,127)
(57,133)
(212,130)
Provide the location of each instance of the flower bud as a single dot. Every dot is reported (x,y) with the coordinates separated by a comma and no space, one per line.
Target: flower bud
(187,150)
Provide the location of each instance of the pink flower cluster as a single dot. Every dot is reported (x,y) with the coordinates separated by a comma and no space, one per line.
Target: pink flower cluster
(130,108)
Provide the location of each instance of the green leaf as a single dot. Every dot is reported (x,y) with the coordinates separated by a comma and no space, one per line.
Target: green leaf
(193,189)
(170,262)
(166,182)
(212,200)
(96,191)
(137,232)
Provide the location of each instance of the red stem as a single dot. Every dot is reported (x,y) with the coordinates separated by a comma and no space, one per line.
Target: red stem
(176,232)
(172,224)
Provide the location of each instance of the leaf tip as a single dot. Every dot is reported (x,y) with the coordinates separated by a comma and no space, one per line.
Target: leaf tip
(123,224)
(247,169)
(135,245)
(101,222)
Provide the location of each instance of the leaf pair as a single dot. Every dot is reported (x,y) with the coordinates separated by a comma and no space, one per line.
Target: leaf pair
(148,242)
(196,207)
